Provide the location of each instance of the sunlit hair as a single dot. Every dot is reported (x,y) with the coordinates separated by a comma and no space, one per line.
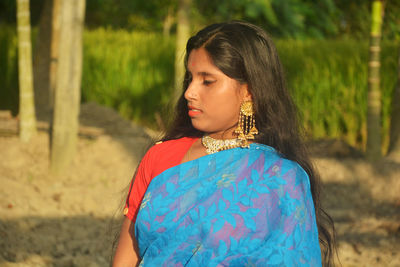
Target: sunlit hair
(245,53)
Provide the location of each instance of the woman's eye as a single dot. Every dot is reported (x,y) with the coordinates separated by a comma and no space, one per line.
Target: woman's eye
(208,82)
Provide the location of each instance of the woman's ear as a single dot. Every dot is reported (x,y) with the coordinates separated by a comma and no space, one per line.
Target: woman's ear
(246,95)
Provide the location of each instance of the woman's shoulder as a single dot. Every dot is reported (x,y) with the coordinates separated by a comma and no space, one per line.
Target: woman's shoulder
(166,154)
(173,144)
(273,157)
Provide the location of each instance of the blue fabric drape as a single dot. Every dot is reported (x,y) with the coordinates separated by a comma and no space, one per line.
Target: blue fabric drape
(238,207)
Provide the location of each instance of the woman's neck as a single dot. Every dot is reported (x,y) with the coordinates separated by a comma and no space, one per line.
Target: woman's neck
(223,135)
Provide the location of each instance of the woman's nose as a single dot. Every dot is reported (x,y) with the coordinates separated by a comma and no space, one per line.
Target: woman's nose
(191,92)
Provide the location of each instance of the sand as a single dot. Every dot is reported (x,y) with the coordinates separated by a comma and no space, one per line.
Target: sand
(72,219)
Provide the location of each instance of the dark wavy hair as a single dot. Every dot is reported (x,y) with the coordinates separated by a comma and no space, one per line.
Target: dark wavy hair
(246,53)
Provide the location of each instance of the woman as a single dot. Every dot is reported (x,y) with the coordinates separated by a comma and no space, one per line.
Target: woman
(231,183)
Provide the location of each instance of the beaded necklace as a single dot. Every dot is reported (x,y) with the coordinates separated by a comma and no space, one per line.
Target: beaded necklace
(214,145)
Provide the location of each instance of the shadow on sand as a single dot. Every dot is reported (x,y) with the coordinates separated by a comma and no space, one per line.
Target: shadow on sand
(69,241)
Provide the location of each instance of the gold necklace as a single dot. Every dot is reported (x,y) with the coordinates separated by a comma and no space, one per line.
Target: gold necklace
(214,145)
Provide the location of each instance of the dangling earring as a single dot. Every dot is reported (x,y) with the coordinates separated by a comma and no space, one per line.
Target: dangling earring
(247,125)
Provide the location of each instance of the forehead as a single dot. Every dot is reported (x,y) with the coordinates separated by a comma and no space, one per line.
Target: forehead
(200,60)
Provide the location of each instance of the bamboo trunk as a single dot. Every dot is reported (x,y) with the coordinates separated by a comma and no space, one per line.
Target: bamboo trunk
(27,117)
(167,23)
(54,50)
(182,35)
(68,83)
(394,146)
(373,150)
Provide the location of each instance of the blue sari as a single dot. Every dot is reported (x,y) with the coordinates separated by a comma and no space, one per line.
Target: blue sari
(238,207)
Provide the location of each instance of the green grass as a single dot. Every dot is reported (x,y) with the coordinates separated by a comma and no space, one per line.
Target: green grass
(133,72)
(329,84)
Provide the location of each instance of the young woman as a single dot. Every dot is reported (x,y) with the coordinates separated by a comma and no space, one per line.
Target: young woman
(231,183)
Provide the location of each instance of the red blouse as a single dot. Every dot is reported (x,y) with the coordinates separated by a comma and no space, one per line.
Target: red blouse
(158,158)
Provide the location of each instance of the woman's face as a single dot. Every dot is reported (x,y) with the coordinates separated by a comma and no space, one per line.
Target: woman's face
(213,98)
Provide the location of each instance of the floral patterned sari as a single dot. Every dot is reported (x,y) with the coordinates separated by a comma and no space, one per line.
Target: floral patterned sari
(238,207)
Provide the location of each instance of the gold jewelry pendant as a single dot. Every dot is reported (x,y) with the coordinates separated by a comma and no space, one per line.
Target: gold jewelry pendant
(247,125)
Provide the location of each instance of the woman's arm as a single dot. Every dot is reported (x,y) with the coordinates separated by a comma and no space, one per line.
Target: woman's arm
(127,251)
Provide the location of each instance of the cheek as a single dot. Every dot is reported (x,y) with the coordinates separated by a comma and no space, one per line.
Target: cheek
(223,102)
(226,109)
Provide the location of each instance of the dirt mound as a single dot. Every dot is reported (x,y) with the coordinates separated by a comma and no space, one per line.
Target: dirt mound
(72,219)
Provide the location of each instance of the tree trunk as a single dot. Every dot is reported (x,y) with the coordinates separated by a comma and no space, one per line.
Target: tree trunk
(167,23)
(394,146)
(27,123)
(41,62)
(182,35)
(54,49)
(374,94)
(68,83)
(46,58)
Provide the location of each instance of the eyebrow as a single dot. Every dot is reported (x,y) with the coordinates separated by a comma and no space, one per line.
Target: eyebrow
(203,73)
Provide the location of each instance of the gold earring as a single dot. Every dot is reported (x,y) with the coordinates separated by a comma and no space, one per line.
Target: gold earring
(247,124)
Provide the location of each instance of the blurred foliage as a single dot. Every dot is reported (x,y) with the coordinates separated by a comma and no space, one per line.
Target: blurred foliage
(128,63)
(128,14)
(328,80)
(8,69)
(8,11)
(354,19)
(282,18)
(132,72)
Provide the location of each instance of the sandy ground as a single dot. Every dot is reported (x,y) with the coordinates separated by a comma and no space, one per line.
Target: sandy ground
(72,219)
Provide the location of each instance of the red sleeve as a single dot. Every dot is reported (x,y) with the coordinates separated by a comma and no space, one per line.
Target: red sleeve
(157,159)
(138,186)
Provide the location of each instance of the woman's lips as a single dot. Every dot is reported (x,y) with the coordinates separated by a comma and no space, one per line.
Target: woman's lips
(193,112)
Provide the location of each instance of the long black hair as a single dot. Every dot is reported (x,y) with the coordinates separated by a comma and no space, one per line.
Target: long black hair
(245,52)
